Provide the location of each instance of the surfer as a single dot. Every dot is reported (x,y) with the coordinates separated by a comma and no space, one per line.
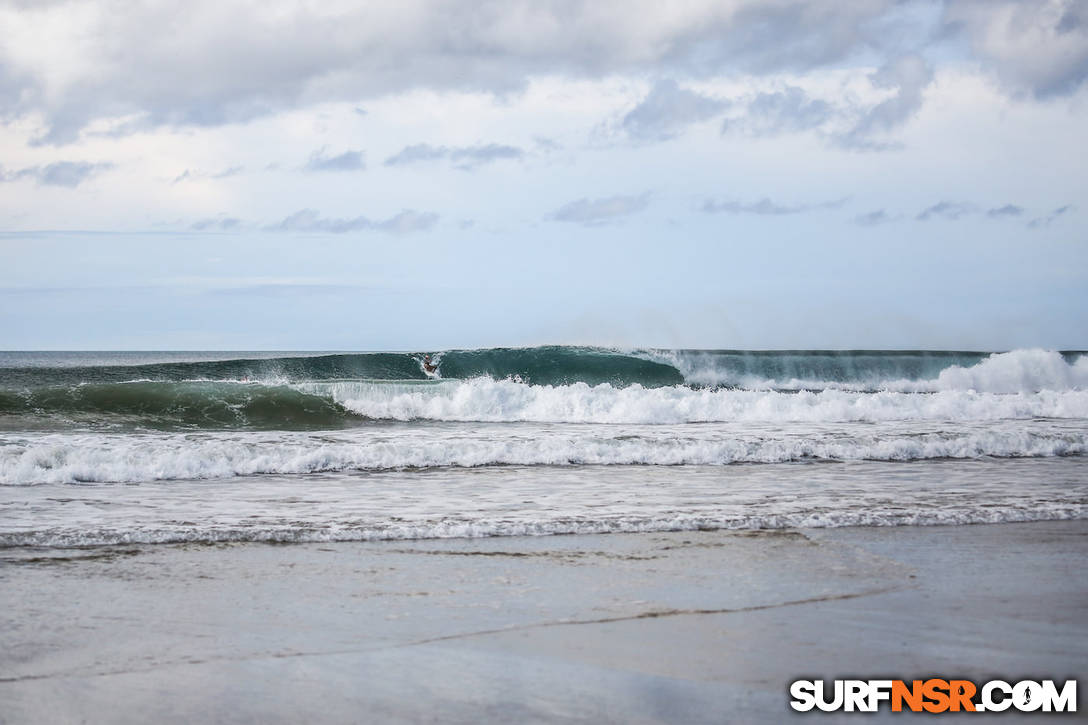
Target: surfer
(428,366)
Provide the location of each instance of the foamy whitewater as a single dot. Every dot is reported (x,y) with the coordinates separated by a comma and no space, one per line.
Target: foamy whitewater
(100,448)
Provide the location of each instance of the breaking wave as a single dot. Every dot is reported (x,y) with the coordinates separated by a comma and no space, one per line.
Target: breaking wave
(506,401)
(68,458)
(583,386)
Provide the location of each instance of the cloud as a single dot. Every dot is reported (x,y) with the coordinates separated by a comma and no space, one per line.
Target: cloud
(787,111)
(1038,47)
(873,218)
(417,152)
(406,222)
(848,125)
(471,156)
(347,161)
(308,220)
(69,174)
(233,62)
(594,212)
(951,210)
(1004,211)
(222,224)
(1045,221)
(668,109)
(765,207)
(225,173)
(193,174)
(462,157)
(908,76)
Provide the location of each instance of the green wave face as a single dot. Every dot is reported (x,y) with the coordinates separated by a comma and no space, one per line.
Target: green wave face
(378,366)
(556,365)
(552,365)
(179,405)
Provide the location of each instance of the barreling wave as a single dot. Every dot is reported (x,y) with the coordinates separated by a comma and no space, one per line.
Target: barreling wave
(553,384)
(907,371)
(549,365)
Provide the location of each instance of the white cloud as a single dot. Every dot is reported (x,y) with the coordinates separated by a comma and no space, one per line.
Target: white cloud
(462,157)
(593,212)
(1037,46)
(309,220)
(907,76)
(790,109)
(766,207)
(59,173)
(667,109)
(346,161)
(72,63)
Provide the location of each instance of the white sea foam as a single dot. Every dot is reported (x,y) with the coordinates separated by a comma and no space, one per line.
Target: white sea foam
(68,458)
(456,528)
(483,399)
(537,500)
(1017,371)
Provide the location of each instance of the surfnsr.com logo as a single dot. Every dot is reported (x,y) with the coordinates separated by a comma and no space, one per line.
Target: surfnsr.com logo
(933,695)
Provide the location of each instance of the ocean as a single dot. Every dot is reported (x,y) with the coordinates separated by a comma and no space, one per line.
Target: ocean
(155,447)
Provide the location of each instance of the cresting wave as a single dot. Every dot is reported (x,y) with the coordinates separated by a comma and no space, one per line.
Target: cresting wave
(594,387)
(507,401)
(906,371)
(550,365)
(78,458)
(1018,371)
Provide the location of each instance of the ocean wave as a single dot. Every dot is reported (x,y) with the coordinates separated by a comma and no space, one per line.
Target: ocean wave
(1018,371)
(218,405)
(450,528)
(595,386)
(547,365)
(489,400)
(904,371)
(197,403)
(150,457)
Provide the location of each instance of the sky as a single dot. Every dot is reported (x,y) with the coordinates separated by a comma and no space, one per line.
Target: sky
(425,174)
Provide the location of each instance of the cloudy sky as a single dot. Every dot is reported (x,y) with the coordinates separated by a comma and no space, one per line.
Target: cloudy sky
(417,174)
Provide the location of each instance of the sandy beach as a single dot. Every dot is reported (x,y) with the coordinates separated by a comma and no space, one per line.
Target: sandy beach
(668,627)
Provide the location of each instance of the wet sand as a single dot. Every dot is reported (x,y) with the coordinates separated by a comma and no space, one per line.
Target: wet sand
(672,627)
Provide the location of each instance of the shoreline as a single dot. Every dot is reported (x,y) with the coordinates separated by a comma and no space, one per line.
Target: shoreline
(694,626)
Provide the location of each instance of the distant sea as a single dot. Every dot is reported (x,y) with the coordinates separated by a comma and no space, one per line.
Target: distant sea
(118,447)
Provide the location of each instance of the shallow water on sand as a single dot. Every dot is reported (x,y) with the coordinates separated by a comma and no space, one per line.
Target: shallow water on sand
(518,500)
